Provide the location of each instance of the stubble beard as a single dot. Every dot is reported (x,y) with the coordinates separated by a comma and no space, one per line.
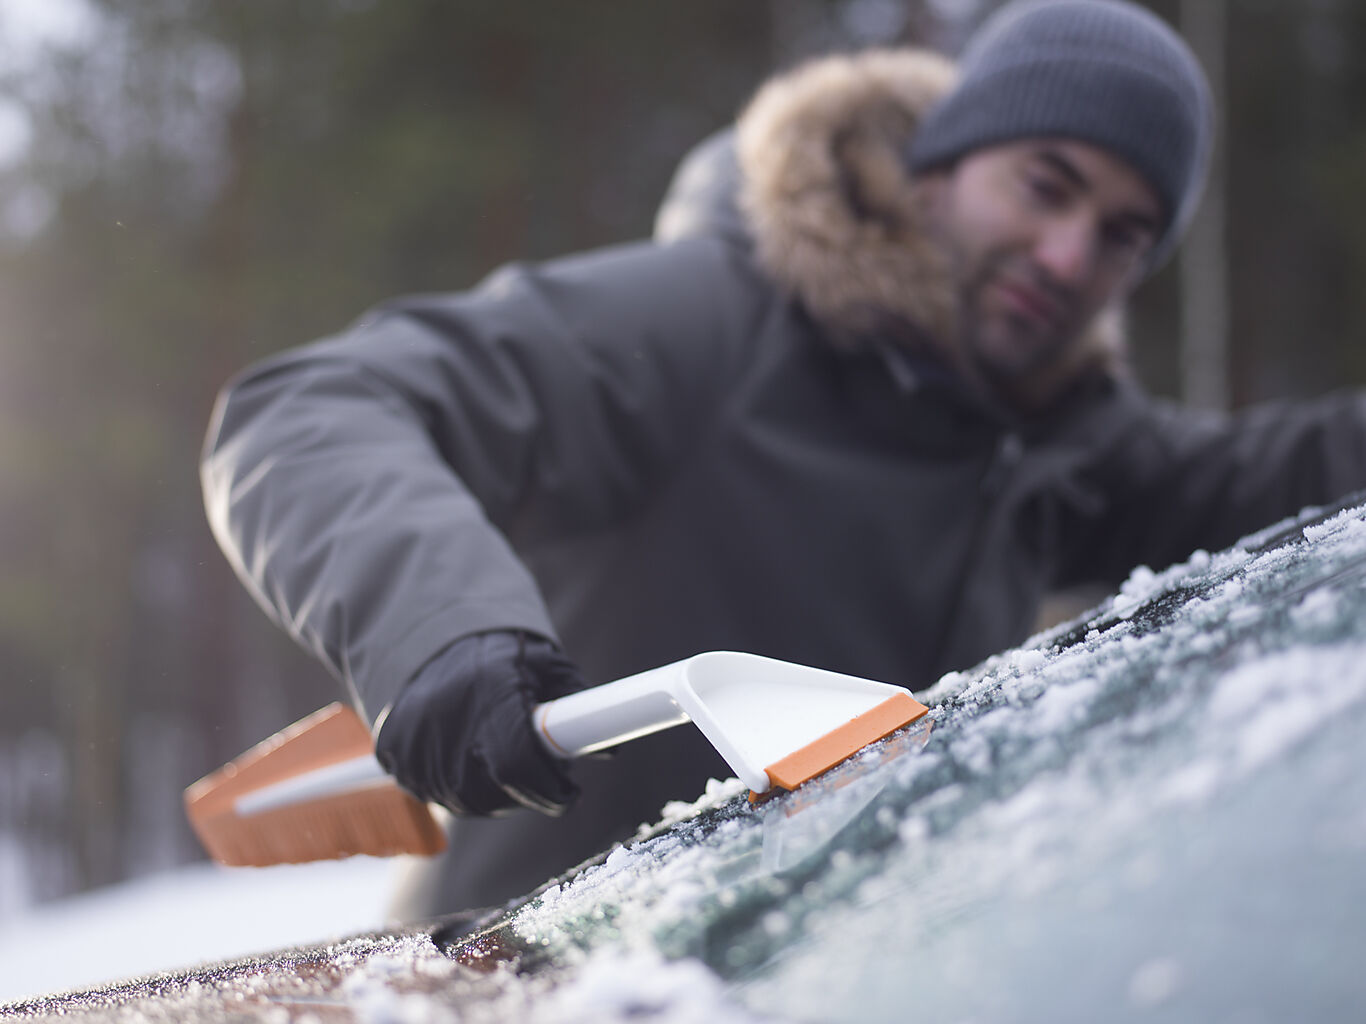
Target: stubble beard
(1004,347)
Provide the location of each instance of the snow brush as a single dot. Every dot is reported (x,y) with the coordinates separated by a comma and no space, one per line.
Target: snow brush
(315,791)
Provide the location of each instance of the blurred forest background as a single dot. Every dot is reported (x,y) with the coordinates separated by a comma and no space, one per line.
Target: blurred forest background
(187,185)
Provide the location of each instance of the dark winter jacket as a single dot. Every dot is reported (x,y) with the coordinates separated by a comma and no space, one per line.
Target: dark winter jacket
(747,434)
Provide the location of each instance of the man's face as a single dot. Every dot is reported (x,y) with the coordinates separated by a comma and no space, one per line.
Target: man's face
(1042,235)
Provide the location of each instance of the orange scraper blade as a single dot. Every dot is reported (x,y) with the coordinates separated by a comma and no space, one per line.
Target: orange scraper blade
(843,742)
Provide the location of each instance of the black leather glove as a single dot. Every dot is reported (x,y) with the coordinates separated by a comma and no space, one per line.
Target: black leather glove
(460,733)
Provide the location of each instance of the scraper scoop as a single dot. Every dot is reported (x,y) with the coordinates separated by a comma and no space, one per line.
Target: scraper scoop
(315,790)
(775,723)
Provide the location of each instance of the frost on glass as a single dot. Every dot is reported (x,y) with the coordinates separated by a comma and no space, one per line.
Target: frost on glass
(1155,812)
(1158,807)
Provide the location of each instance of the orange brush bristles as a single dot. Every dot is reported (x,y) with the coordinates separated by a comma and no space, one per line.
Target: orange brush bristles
(380,820)
(841,743)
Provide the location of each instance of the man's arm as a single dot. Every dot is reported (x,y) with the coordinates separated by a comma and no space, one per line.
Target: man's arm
(366,487)
(1179,480)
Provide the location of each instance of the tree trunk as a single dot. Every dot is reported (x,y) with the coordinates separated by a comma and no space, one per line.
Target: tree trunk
(1203,264)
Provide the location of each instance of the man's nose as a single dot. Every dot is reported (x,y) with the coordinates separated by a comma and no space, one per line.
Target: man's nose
(1066,250)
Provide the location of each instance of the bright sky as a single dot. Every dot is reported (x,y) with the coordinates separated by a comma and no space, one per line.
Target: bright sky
(27,23)
(25,27)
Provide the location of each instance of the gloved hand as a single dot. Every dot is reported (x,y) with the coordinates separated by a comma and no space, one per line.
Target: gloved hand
(460,733)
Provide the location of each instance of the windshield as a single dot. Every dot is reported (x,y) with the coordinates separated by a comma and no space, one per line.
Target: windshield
(1166,792)
(1153,812)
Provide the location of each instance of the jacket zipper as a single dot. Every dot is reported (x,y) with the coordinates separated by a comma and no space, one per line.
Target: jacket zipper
(1004,459)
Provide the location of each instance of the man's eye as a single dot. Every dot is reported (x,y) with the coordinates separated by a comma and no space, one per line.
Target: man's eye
(1121,238)
(1046,191)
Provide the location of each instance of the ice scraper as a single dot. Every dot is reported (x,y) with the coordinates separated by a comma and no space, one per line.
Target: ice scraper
(315,790)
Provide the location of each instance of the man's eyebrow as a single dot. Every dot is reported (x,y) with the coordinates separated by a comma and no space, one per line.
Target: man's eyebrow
(1058,162)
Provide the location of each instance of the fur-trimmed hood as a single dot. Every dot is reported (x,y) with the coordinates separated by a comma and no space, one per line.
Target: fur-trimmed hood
(816,178)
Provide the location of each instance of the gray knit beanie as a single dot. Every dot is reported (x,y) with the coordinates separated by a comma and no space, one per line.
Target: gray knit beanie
(1105,72)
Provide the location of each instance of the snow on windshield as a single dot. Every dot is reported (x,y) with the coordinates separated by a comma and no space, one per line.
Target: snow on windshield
(1168,792)
(1156,810)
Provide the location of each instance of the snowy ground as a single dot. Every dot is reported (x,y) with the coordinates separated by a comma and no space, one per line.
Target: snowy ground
(179,919)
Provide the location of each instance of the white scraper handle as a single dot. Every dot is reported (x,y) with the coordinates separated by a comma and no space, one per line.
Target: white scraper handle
(603,716)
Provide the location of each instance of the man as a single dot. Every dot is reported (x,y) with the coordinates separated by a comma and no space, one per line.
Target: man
(859,405)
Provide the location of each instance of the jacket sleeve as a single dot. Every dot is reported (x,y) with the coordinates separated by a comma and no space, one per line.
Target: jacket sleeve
(368,489)
(1179,480)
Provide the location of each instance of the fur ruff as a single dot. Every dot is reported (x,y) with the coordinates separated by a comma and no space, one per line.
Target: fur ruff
(836,221)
